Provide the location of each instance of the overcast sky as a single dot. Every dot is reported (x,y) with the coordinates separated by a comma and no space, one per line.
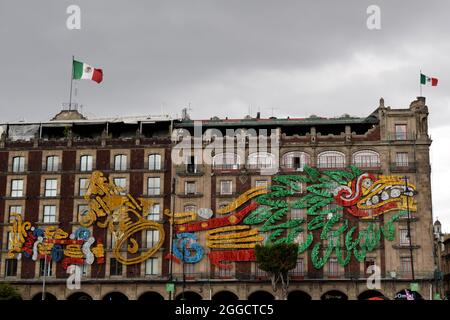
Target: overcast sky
(226,58)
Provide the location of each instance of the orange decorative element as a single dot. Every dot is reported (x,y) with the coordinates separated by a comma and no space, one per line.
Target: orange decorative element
(224,237)
(243,198)
(217,222)
(181,217)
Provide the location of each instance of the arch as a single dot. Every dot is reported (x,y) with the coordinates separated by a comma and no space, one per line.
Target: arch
(151,296)
(79,296)
(48,297)
(295,160)
(226,160)
(261,295)
(189,295)
(403,295)
(261,160)
(331,160)
(371,295)
(298,295)
(366,159)
(334,295)
(225,296)
(115,297)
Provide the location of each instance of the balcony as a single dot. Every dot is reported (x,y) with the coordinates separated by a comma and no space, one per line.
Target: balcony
(401,136)
(190,170)
(227,167)
(190,195)
(403,166)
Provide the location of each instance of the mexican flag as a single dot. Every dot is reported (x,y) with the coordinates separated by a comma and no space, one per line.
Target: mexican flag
(428,80)
(82,70)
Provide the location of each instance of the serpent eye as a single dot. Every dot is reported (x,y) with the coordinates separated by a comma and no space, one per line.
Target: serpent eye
(367,183)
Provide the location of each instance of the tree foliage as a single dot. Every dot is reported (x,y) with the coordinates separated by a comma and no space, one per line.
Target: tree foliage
(8,292)
(277,260)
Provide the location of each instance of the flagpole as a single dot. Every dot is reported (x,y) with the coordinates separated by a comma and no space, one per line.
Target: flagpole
(420,81)
(71,82)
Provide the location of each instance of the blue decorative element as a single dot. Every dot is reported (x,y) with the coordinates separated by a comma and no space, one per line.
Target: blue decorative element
(57,252)
(38,232)
(82,234)
(185,246)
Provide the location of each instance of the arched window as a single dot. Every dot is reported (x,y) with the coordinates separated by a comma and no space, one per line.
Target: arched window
(120,162)
(261,160)
(366,159)
(295,160)
(154,162)
(227,160)
(331,159)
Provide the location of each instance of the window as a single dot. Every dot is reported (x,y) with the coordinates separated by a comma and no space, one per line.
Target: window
(261,160)
(191,164)
(10,238)
(152,238)
(49,214)
(405,265)
(401,159)
(189,269)
(190,208)
(331,159)
(295,160)
(224,273)
(299,269)
(52,163)
(404,238)
(299,187)
(121,184)
(261,183)
(45,267)
(154,186)
(18,164)
(366,159)
(227,160)
(400,132)
(51,186)
(298,213)
(120,162)
(367,263)
(333,268)
(190,187)
(333,209)
(154,212)
(14,209)
(226,187)
(84,270)
(11,267)
(154,162)
(83,186)
(152,266)
(16,188)
(83,210)
(86,163)
(115,267)
(332,239)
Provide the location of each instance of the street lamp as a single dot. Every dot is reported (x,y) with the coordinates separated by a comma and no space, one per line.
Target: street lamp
(438,248)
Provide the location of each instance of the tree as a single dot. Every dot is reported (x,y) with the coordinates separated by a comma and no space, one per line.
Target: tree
(8,292)
(277,260)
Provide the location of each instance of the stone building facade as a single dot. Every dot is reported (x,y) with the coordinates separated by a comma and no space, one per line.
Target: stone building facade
(45,169)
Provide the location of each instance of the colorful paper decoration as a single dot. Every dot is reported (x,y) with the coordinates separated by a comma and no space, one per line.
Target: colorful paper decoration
(216,222)
(216,257)
(243,198)
(186,249)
